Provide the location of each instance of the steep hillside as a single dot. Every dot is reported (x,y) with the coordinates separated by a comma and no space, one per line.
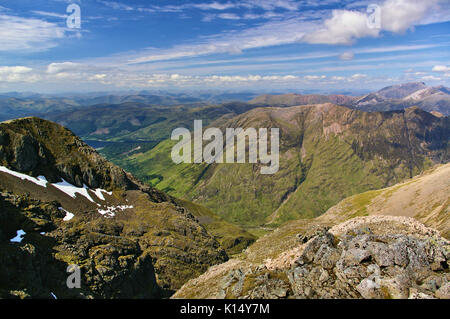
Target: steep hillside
(337,255)
(425,197)
(74,207)
(327,153)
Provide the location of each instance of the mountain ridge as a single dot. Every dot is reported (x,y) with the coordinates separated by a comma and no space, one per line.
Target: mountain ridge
(323,148)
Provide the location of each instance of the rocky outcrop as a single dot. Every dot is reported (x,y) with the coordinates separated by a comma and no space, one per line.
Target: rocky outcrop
(38,147)
(130,240)
(357,264)
(136,256)
(111,266)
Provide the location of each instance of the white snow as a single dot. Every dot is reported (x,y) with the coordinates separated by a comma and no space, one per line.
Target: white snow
(111,211)
(99,193)
(71,190)
(68,216)
(19,237)
(40,180)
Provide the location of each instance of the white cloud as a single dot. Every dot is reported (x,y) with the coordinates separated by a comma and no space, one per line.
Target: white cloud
(346,56)
(142,80)
(214,6)
(344,27)
(314,77)
(117,6)
(445,70)
(431,78)
(358,76)
(13,74)
(55,68)
(51,14)
(399,15)
(266,35)
(14,70)
(28,35)
(441,68)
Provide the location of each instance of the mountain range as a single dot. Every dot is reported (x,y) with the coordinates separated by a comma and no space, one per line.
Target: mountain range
(358,209)
(327,152)
(396,97)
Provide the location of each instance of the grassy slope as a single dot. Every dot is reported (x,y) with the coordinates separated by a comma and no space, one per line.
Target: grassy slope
(317,169)
(424,197)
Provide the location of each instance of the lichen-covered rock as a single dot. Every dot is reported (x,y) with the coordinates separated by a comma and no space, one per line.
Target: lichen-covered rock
(355,265)
(148,254)
(111,266)
(444,291)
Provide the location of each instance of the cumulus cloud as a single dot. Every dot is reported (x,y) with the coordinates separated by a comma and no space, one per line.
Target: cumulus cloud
(55,68)
(399,15)
(314,77)
(28,35)
(346,26)
(16,74)
(441,68)
(14,69)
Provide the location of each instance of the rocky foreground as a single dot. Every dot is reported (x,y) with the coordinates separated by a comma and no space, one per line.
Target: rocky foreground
(356,259)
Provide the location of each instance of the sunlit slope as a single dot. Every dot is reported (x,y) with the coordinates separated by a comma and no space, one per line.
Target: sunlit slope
(327,153)
(425,197)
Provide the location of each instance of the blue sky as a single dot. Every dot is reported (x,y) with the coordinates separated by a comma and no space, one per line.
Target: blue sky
(264,45)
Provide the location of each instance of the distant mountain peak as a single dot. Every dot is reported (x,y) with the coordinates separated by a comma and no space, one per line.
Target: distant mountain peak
(401,90)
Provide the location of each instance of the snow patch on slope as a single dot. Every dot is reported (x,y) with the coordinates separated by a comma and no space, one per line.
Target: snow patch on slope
(19,237)
(63,186)
(72,190)
(99,193)
(68,216)
(111,211)
(40,180)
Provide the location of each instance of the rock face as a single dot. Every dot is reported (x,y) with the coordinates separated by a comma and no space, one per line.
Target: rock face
(141,255)
(38,147)
(111,266)
(357,264)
